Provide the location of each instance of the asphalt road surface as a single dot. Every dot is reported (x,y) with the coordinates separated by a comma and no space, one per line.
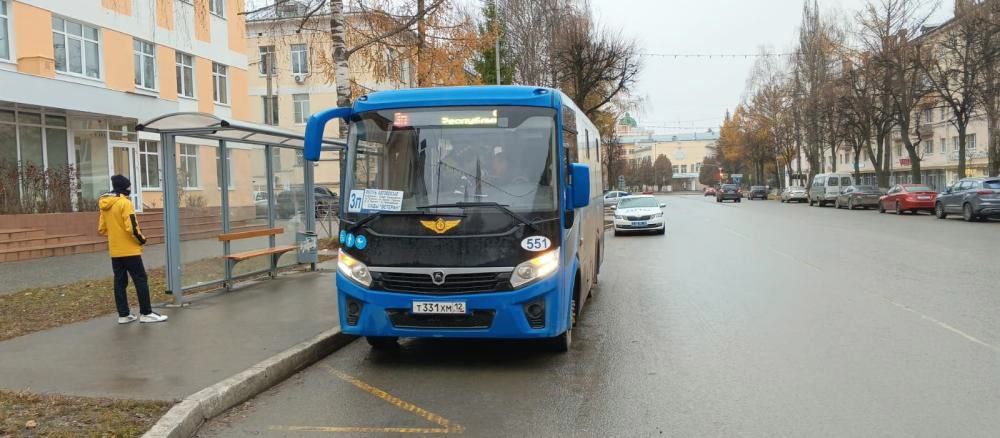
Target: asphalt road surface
(752,319)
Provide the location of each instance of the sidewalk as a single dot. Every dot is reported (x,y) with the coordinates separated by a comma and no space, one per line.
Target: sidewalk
(218,336)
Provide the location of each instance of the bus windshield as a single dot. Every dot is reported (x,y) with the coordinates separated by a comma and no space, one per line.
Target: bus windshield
(433,156)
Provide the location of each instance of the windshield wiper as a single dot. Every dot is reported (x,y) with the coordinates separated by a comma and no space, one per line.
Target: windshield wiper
(380,214)
(502,207)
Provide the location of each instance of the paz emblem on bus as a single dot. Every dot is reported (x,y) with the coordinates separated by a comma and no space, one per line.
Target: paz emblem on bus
(440,225)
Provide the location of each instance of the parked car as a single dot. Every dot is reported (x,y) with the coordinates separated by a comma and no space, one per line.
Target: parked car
(612,197)
(908,197)
(794,193)
(730,192)
(858,196)
(757,192)
(827,186)
(639,213)
(291,202)
(973,198)
(709,191)
(260,203)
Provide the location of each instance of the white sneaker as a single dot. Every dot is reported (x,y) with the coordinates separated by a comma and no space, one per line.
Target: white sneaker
(153,317)
(126,319)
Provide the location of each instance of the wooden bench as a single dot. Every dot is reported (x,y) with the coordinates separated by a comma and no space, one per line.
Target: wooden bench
(274,252)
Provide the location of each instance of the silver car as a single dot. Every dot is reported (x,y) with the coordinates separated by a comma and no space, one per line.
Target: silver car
(794,194)
(852,197)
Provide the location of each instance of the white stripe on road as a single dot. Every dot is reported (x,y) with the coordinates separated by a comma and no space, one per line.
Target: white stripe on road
(944,325)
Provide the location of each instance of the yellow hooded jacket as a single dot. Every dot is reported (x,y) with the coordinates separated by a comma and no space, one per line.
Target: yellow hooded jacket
(119,224)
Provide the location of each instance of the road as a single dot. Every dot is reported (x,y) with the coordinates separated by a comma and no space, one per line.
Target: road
(751,319)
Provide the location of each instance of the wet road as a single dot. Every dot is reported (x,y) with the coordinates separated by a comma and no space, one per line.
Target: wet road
(751,319)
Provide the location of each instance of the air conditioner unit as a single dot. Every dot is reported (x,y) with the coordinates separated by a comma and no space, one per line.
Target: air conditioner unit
(299,77)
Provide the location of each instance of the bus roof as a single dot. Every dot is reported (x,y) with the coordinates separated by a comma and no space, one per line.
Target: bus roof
(485,95)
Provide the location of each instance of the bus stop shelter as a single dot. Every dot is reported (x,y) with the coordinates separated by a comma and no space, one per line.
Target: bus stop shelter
(211,127)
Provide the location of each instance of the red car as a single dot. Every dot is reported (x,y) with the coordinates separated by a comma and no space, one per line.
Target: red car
(710,191)
(908,197)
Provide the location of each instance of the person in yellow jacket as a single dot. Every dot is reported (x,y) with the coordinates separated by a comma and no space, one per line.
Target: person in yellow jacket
(125,241)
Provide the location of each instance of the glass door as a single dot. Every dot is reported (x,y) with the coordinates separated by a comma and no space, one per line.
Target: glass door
(124,162)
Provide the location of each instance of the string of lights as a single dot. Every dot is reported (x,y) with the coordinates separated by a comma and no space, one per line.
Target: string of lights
(716,55)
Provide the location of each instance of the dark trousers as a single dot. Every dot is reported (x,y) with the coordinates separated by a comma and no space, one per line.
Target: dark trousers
(124,267)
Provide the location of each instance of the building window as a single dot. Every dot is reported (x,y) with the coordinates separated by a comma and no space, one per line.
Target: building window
(266,57)
(188,166)
(944,145)
(32,138)
(270,106)
(220,83)
(300,59)
(185,75)
(217,7)
(276,158)
(149,164)
(145,64)
(954,143)
(899,150)
(77,48)
(684,168)
(300,102)
(4,33)
(929,147)
(970,142)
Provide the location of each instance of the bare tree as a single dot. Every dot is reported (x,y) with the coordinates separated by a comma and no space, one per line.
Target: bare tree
(814,60)
(990,87)
(958,53)
(594,65)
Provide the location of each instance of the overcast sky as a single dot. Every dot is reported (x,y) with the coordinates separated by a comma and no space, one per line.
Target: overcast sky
(693,93)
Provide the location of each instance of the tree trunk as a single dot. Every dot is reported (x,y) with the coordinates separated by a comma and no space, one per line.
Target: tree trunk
(911,151)
(342,72)
(857,163)
(962,127)
(422,70)
(993,133)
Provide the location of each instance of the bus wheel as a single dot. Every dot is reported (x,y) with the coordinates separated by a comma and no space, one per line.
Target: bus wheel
(382,342)
(563,342)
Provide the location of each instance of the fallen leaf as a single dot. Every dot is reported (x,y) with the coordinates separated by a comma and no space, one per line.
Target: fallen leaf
(31,424)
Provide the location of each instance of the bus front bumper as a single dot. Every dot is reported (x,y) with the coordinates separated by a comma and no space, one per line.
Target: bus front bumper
(501,315)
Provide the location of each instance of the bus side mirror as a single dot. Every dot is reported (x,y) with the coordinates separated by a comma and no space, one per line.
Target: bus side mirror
(314,130)
(581,185)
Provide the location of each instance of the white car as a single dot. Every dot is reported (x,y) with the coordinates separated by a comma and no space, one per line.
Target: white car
(639,213)
(612,197)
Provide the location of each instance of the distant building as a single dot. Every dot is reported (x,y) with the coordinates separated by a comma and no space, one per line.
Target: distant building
(685,151)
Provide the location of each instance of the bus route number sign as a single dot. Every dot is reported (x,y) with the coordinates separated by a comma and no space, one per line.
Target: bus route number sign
(536,243)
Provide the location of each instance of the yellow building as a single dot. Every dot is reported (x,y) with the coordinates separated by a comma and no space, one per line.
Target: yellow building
(78,75)
(301,82)
(685,151)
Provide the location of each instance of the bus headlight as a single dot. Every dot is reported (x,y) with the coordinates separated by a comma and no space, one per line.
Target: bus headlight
(353,269)
(535,269)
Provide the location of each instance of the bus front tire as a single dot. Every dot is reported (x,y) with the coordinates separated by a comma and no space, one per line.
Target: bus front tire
(382,342)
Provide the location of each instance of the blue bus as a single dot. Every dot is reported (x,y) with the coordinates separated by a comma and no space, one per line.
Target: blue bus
(466,212)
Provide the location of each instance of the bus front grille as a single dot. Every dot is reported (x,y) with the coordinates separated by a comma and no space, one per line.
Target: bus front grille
(478,319)
(453,284)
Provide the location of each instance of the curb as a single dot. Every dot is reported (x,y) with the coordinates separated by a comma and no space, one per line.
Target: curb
(184,418)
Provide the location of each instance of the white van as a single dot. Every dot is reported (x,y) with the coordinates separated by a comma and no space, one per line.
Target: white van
(826,187)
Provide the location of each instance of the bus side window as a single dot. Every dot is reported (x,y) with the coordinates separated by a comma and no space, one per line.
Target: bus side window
(586,135)
(569,138)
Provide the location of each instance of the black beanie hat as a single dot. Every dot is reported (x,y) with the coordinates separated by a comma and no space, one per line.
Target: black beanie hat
(120,183)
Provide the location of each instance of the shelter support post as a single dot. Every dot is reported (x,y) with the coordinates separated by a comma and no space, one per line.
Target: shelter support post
(308,181)
(224,176)
(269,172)
(171,218)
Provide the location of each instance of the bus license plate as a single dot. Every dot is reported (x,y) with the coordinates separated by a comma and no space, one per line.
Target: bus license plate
(639,224)
(439,307)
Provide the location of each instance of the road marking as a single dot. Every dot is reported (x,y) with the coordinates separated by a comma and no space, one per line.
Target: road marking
(944,325)
(447,426)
